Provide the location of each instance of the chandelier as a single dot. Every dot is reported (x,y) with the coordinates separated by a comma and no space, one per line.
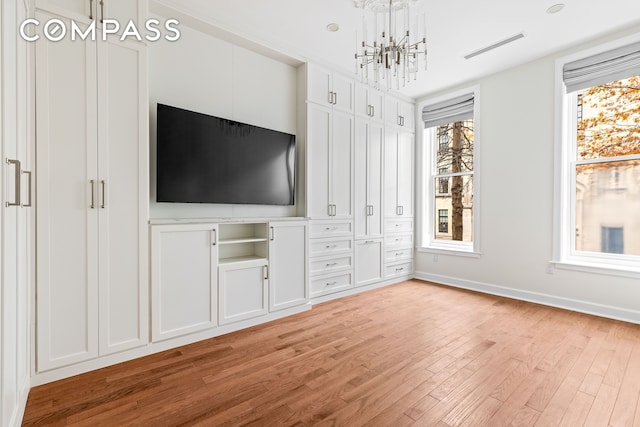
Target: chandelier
(393,54)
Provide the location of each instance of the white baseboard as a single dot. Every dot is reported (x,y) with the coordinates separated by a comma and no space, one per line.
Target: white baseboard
(616,313)
(23,395)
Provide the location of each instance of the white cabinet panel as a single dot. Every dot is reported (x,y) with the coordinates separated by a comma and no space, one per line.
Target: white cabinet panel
(67,246)
(330,89)
(183,278)
(325,285)
(368,179)
(287,264)
(341,146)
(398,173)
(85,11)
(368,262)
(243,290)
(400,113)
(92,246)
(369,102)
(330,141)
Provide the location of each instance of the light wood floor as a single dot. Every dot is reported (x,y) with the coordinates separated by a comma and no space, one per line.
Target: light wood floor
(409,354)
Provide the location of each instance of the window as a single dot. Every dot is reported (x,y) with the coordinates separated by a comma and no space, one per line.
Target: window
(449,209)
(443,183)
(597,221)
(443,220)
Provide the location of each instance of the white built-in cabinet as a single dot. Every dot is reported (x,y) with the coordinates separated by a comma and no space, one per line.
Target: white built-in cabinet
(16,210)
(369,143)
(369,102)
(184,277)
(288,285)
(400,113)
(329,89)
(329,163)
(85,11)
(398,173)
(212,275)
(92,157)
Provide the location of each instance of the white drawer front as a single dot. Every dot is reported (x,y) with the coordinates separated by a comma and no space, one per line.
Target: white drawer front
(328,247)
(329,285)
(398,254)
(399,241)
(398,269)
(328,229)
(328,265)
(398,226)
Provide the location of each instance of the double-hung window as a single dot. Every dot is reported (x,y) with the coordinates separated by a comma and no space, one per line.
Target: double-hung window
(597,224)
(449,206)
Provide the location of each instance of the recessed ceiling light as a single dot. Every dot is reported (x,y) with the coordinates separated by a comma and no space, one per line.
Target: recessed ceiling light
(555,8)
(333,27)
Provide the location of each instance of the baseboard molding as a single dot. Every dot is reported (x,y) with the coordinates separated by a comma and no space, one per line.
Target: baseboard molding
(23,395)
(586,307)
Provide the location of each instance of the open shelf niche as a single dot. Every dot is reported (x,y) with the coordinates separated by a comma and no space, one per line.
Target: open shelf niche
(240,242)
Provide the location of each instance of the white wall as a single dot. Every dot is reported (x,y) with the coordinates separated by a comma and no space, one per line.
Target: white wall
(517,193)
(202,73)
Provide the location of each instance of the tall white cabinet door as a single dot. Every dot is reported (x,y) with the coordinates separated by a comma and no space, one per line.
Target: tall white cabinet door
(319,154)
(405,174)
(319,85)
(375,143)
(341,155)
(287,265)
(67,216)
(343,89)
(361,209)
(368,179)
(391,173)
(122,195)
(183,279)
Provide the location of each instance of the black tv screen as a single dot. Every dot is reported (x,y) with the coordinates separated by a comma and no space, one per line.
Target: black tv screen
(207,159)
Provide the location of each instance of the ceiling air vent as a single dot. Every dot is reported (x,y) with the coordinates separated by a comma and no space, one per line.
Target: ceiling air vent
(493,46)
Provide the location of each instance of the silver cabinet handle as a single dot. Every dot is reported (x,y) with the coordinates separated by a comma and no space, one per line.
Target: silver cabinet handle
(214,237)
(335,98)
(101,11)
(331,264)
(373,111)
(18,170)
(103,184)
(266,272)
(330,97)
(93,194)
(91,10)
(272,234)
(28,204)
(400,269)
(332,283)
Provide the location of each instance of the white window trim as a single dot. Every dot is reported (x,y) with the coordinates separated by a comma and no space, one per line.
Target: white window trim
(564,254)
(426,186)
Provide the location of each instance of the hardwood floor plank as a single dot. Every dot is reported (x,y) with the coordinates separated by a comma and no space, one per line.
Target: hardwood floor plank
(414,353)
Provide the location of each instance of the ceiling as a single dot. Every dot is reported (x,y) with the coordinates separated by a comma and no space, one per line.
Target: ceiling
(295,31)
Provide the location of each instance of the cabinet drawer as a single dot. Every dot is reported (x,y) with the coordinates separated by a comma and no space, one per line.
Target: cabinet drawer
(328,265)
(399,241)
(398,269)
(331,284)
(320,247)
(398,254)
(330,228)
(398,226)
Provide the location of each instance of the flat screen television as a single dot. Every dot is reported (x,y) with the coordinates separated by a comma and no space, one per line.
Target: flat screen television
(207,159)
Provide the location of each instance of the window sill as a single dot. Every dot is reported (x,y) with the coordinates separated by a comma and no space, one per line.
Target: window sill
(599,268)
(449,251)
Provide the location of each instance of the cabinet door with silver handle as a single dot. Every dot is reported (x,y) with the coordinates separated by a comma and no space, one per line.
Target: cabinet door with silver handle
(17,173)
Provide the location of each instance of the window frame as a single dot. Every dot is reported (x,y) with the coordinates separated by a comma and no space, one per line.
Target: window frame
(427,191)
(564,254)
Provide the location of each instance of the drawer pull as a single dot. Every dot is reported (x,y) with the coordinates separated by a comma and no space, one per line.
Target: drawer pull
(399,253)
(331,264)
(331,228)
(331,246)
(399,269)
(332,283)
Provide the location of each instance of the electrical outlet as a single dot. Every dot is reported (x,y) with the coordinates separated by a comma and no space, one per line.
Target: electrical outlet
(549,269)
